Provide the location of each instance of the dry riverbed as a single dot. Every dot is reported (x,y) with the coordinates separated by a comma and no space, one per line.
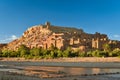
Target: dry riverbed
(54,69)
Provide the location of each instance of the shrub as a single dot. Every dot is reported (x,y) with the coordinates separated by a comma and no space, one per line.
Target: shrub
(115,53)
(96,53)
(59,53)
(6,53)
(81,54)
(67,52)
(35,52)
(1,53)
(14,54)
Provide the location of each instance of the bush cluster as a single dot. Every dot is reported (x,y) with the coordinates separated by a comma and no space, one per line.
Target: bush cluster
(54,52)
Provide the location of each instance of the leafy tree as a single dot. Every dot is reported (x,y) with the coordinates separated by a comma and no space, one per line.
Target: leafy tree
(59,53)
(74,54)
(89,54)
(0,53)
(45,53)
(67,52)
(95,53)
(115,53)
(14,54)
(52,54)
(81,54)
(107,47)
(35,52)
(6,53)
(98,53)
(23,51)
(103,54)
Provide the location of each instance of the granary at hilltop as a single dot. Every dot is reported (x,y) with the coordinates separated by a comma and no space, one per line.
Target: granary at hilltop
(44,36)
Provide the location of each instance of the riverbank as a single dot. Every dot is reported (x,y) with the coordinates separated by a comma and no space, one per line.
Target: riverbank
(60,69)
(13,76)
(76,59)
(58,73)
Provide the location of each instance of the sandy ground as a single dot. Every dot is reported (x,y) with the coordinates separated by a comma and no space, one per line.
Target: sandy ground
(9,76)
(79,59)
(74,62)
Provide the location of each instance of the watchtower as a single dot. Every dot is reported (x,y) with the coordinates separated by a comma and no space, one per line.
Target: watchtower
(47,25)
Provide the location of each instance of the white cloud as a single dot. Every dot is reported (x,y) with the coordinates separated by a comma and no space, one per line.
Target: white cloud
(13,37)
(8,39)
(116,36)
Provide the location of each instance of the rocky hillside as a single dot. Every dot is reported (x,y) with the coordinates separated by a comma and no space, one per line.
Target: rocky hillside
(38,34)
(31,37)
(45,35)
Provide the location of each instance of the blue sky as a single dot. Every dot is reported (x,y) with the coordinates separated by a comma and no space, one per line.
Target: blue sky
(91,15)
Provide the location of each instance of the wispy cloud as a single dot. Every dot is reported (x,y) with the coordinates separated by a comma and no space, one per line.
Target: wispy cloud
(8,39)
(13,37)
(116,36)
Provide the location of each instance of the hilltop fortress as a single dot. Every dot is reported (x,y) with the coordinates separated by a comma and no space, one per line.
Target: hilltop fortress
(44,36)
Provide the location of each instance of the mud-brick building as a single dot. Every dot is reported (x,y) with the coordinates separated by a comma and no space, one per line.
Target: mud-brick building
(43,36)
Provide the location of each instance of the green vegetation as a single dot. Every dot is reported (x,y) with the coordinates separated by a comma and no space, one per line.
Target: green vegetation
(53,52)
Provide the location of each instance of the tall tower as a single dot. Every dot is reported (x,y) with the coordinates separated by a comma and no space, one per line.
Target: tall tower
(47,25)
(95,43)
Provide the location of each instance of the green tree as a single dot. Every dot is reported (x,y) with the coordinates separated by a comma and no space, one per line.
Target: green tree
(6,53)
(89,54)
(14,54)
(67,52)
(59,53)
(98,53)
(45,53)
(95,53)
(103,54)
(35,52)
(74,54)
(1,53)
(81,54)
(52,54)
(107,47)
(23,51)
(115,53)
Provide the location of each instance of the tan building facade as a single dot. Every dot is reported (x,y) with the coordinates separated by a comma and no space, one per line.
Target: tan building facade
(44,36)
